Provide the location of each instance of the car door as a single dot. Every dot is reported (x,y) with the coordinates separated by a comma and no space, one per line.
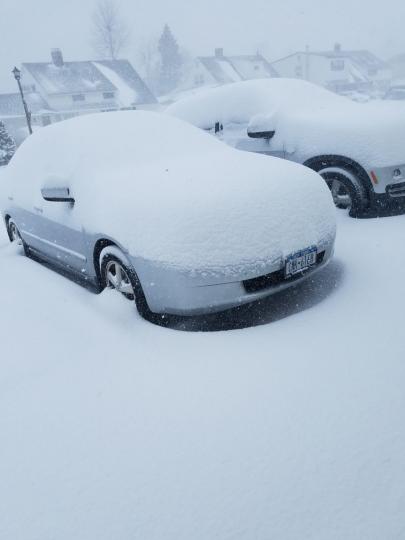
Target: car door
(56,231)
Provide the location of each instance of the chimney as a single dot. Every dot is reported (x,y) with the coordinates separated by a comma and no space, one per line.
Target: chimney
(57,57)
(338,48)
(219,53)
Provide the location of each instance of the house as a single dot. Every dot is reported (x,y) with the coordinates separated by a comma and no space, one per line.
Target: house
(75,87)
(338,70)
(220,69)
(397,64)
(57,90)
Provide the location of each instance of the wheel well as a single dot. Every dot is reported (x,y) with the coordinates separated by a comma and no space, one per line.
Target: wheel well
(7,218)
(320,162)
(140,299)
(98,248)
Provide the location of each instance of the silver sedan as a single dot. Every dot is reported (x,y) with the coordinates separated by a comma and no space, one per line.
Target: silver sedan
(204,229)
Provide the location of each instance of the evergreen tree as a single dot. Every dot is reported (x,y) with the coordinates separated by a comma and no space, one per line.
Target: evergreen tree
(7,145)
(170,61)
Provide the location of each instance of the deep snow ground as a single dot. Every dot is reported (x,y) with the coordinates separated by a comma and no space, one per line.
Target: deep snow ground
(290,428)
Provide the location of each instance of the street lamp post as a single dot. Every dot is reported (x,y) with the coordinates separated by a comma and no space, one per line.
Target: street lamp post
(17,76)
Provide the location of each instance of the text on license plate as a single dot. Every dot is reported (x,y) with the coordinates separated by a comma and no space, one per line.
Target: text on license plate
(300,261)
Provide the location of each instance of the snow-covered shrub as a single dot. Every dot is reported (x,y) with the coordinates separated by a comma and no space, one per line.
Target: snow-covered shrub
(7,145)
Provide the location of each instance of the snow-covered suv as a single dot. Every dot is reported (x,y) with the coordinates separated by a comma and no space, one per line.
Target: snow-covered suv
(358,148)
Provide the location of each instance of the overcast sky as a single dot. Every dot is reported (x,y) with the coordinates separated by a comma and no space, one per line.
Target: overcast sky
(30,28)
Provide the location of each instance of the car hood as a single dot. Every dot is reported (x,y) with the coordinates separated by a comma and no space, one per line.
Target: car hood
(217,212)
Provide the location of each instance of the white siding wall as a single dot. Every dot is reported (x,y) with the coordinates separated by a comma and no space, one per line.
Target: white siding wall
(64,102)
(318,69)
(321,71)
(197,75)
(312,67)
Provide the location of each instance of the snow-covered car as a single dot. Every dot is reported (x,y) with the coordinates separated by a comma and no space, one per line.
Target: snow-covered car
(164,213)
(358,148)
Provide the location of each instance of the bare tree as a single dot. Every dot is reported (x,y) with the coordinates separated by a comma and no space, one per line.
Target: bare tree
(110,32)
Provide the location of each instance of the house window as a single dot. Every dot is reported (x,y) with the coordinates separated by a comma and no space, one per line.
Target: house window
(108,95)
(256,67)
(78,97)
(298,71)
(337,64)
(372,71)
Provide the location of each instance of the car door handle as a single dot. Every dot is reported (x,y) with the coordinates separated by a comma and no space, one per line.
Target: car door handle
(37,209)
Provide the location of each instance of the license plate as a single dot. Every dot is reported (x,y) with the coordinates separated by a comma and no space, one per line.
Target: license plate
(300,261)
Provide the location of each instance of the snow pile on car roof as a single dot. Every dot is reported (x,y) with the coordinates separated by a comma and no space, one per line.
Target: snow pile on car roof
(306,118)
(171,193)
(240,102)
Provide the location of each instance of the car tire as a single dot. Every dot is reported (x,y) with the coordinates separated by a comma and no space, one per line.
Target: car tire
(113,263)
(15,235)
(347,190)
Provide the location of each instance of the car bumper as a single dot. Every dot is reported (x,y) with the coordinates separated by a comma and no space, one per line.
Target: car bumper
(390,202)
(172,294)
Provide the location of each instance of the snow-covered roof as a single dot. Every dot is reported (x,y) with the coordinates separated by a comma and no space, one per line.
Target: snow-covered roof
(227,69)
(364,60)
(253,66)
(131,88)
(84,77)
(11,104)
(69,78)
(221,71)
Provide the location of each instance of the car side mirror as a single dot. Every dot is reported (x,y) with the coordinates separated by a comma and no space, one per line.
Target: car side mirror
(263,126)
(57,195)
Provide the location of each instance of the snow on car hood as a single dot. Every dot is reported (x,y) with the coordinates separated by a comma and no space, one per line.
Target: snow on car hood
(307,119)
(170,193)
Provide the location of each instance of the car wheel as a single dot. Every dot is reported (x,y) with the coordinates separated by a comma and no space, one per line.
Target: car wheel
(117,274)
(15,236)
(347,191)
